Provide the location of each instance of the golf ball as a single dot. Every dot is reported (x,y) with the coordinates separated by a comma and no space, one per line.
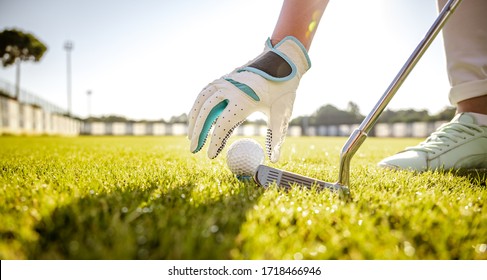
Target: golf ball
(244,156)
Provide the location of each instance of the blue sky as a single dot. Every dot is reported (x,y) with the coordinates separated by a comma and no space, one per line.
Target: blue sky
(149,59)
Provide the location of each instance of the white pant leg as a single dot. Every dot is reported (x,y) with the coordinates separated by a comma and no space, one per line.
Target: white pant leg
(465,39)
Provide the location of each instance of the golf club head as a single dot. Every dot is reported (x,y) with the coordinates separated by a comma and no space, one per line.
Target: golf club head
(266,175)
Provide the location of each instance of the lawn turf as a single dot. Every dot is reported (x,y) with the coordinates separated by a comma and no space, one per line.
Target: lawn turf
(150,198)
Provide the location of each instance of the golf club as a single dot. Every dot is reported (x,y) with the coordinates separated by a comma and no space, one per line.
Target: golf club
(265,175)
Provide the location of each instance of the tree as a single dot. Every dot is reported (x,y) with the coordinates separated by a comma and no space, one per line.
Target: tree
(330,115)
(353,108)
(17,46)
(183,118)
(405,115)
(445,115)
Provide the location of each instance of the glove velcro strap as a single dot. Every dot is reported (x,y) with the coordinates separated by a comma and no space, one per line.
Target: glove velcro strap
(273,66)
(278,64)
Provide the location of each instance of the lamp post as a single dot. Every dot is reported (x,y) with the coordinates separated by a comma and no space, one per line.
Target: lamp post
(68,46)
(88,95)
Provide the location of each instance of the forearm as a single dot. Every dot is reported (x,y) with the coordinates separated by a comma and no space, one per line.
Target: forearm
(299,18)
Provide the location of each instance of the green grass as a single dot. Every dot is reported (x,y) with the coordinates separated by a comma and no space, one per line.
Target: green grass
(149,198)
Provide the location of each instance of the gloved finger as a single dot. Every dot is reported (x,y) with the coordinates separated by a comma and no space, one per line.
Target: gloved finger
(209,112)
(280,115)
(233,115)
(204,95)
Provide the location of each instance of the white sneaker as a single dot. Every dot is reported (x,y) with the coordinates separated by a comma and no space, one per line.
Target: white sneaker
(460,144)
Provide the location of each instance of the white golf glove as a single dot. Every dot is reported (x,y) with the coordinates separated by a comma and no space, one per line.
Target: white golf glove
(267,84)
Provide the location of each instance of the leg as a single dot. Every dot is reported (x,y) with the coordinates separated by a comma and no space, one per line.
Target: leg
(299,18)
(474,105)
(465,39)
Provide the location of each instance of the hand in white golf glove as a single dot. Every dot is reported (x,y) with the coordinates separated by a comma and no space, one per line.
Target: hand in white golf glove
(267,84)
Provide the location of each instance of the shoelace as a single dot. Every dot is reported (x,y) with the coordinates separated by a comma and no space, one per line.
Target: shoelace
(445,136)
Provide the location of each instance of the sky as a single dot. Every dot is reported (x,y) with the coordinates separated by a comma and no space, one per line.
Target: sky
(149,59)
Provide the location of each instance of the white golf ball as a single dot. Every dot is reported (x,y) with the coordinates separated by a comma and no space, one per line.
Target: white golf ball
(244,156)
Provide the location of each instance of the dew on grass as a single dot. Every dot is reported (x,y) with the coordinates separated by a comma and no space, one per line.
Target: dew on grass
(214,229)
(480,248)
(322,249)
(298,256)
(409,249)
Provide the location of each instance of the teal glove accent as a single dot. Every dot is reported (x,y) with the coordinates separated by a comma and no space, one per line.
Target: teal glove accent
(214,113)
(245,88)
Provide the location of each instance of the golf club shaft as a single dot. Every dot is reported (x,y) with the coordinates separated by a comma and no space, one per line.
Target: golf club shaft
(360,134)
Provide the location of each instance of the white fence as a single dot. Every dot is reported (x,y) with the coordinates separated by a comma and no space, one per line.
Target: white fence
(416,129)
(133,128)
(18,118)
